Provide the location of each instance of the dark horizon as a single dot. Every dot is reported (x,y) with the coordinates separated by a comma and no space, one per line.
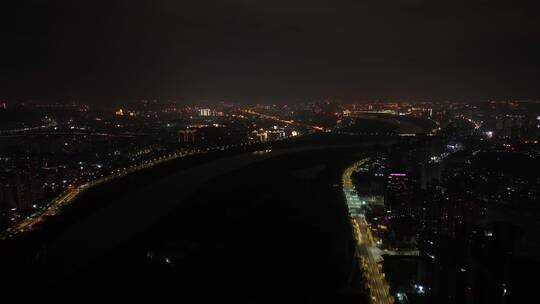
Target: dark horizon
(279,51)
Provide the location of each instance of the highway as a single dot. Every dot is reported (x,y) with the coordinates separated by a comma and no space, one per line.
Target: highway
(71,193)
(135,211)
(287,122)
(24,130)
(378,287)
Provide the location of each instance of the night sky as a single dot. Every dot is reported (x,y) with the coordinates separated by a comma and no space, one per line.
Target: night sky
(269,51)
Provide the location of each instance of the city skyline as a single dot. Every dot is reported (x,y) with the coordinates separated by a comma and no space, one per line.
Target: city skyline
(256,151)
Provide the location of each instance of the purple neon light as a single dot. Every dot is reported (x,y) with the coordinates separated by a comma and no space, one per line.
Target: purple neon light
(398,174)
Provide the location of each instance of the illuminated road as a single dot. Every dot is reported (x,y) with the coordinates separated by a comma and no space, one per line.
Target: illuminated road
(137,210)
(70,194)
(24,130)
(124,218)
(287,122)
(378,287)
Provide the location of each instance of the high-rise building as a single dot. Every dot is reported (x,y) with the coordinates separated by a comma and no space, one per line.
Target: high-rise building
(7,200)
(14,193)
(430,172)
(205,112)
(399,192)
(516,127)
(186,136)
(21,187)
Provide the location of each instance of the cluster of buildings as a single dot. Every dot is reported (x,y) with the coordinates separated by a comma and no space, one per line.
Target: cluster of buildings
(428,198)
(74,145)
(20,186)
(517,126)
(431,203)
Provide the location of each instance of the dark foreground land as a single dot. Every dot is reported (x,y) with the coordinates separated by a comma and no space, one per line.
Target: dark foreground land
(274,230)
